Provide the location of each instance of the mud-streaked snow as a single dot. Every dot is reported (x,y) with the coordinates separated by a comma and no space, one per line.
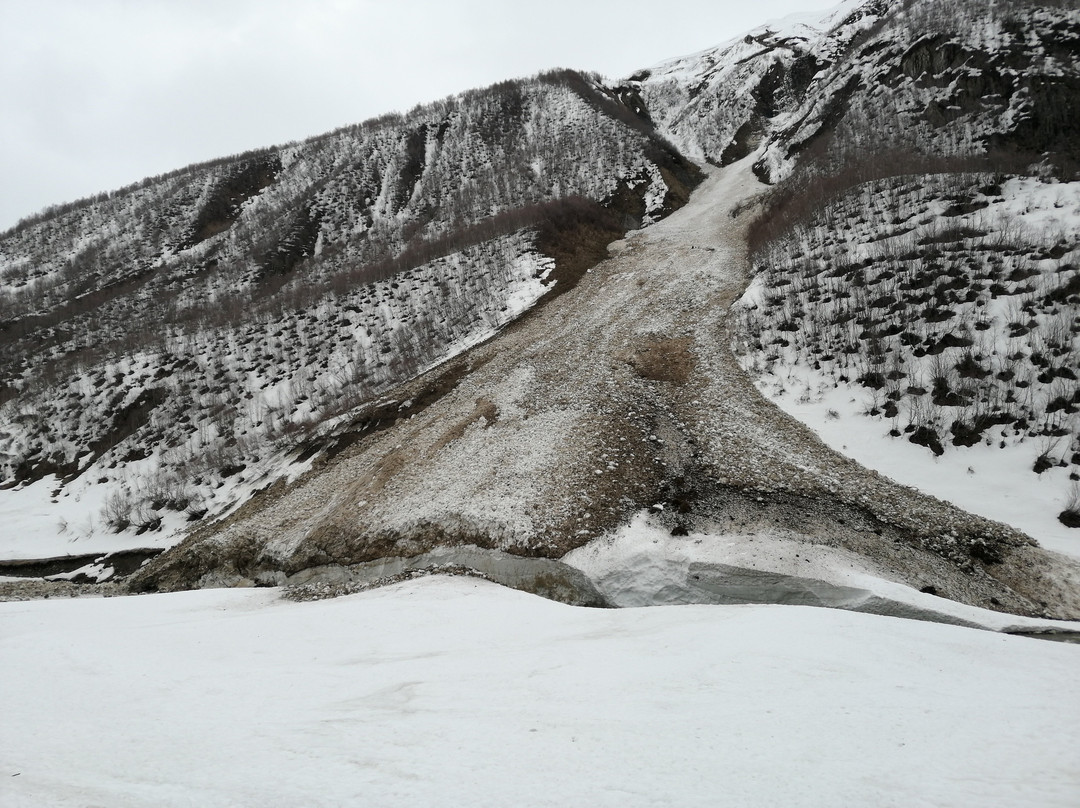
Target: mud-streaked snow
(452,691)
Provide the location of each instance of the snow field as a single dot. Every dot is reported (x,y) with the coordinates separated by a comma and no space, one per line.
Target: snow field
(450,691)
(988,481)
(997,281)
(642,564)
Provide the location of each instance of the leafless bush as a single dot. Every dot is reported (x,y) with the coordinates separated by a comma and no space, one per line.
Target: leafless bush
(809,191)
(116,512)
(1070,514)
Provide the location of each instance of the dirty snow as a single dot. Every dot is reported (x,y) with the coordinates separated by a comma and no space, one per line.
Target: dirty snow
(642,564)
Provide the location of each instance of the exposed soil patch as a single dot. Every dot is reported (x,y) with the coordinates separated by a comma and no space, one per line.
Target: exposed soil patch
(123,563)
(665,360)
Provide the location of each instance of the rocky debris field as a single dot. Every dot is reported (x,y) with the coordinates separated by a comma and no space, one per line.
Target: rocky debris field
(622,394)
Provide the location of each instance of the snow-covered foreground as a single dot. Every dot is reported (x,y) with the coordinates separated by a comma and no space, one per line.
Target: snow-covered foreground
(452,691)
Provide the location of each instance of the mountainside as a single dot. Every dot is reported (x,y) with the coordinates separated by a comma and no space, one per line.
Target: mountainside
(163,339)
(921,263)
(720,105)
(337,322)
(928,79)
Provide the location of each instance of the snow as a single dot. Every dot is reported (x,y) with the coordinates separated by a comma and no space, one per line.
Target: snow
(803,24)
(35,524)
(811,22)
(642,564)
(993,482)
(47,520)
(453,691)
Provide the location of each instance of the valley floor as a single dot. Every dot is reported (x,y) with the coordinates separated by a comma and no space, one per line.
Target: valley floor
(454,691)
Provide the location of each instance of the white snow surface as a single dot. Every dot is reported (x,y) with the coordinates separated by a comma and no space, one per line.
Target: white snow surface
(48,520)
(453,691)
(807,25)
(992,482)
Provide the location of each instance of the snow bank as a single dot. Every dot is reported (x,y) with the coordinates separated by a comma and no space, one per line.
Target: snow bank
(642,564)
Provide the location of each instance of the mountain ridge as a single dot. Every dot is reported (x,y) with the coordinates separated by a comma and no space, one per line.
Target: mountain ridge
(800,106)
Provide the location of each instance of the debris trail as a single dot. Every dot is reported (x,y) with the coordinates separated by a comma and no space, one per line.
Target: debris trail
(620,394)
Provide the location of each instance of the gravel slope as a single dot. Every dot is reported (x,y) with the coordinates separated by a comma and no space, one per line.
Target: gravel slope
(619,395)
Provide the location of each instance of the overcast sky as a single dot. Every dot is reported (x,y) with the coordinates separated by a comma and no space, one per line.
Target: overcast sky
(95,94)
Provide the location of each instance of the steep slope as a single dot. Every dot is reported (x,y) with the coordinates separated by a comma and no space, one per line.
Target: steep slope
(928,78)
(918,262)
(165,344)
(944,79)
(620,395)
(945,309)
(721,104)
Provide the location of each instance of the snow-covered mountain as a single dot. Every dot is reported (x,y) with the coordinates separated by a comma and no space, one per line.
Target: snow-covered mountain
(791,322)
(314,356)
(165,340)
(939,79)
(721,104)
(920,261)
